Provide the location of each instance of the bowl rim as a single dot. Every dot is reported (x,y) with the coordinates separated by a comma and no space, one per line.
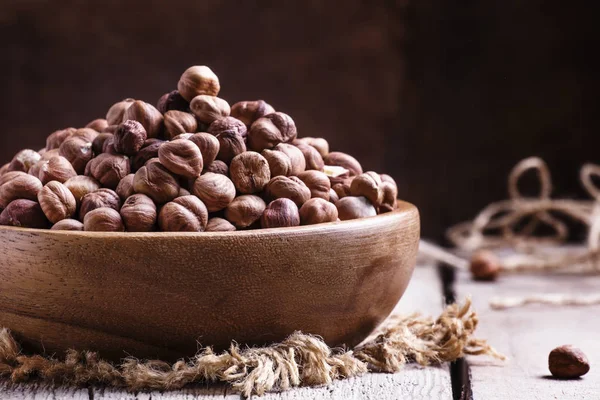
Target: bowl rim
(402,208)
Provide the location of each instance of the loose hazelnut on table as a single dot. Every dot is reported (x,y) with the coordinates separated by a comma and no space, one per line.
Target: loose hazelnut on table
(368,185)
(217,224)
(78,151)
(24,213)
(24,160)
(18,185)
(249,172)
(215,190)
(296,157)
(208,144)
(129,138)
(317,182)
(344,160)
(250,111)
(114,116)
(198,80)
(485,265)
(270,130)
(99,125)
(184,214)
(279,162)
(148,151)
(81,185)
(139,213)
(178,122)
(108,169)
(56,138)
(56,168)
(320,144)
(209,108)
(280,213)
(352,207)
(103,219)
(217,167)
(288,187)
(181,157)
(150,118)
(318,211)
(172,101)
(57,201)
(313,159)
(101,198)
(125,187)
(68,225)
(245,210)
(568,362)
(156,182)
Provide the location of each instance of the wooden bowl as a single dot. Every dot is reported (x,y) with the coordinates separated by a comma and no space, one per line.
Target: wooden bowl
(159,294)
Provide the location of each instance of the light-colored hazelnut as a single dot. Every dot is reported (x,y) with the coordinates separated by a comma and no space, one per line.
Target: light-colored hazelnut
(249,172)
(24,160)
(103,219)
(181,157)
(317,182)
(172,101)
(35,168)
(342,189)
(78,151)
(114,116)
(344,160)
(184,214)
(295,155)
(183,136)
(209,108)
(156,182)
(55,139)
(215,190)
(250,111)
(98,143)
(288,187)
(147,115)
(367,184)
(81,185)
(485,265)
(99,124)
(57,201)
(68,225)
(333,197)
(351,207)
(280,213)
(217,167)
(217,224)
(24,213)
(228,126)
(270,130)
(101,198)
(178,122)
(313,159)
(318,211)
(86,134)
(56,168)
(125,187)
(129,137)
(18,185)
(320,144)
(279,162)
(208,145)
(108,169)
(245,210)
(198,80)
(139,213)
(148,151)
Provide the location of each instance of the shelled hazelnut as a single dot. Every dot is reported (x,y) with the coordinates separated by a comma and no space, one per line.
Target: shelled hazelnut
(99,124)
(108,169)
(103,219)
(313,158)
(57,201)
(181,157)
(114,116)
(18,185)
(344,160)
(217,224)
(367,184)
(320,144)
(86,134)
(245,210)
(129,137)
(68,225)
(139,213)
(198,80)
(56,168)
(78,151)
(279,162)
(485,265)
(209,108)
(217,191)
(125,187)
(289,187)
(280,213)
(208,144)
(24,160)
(150,118)
(81,185)
(178,122)
(351,207)
(184,214)
(56,138)
(101,198)
(296,157)
(317,182)
(318,211)
(250,111)
(217,167)
(172,101)
(270,130)
(249,172)
(24,213)
(148,151)
(156,182)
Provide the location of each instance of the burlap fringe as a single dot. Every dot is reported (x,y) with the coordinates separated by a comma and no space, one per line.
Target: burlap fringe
(299,360)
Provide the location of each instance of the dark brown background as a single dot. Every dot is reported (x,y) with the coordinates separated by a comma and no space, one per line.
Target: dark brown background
(446,96)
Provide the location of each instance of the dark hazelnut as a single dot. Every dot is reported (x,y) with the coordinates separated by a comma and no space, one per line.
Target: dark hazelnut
(245,210)
(78,151)
(156,182)
(18,185)
(249,172)
(389,191)
(98,143)
(172,101)
(24,213)
(198,80)
(184,214)
(110,129)
(343,188)
(101,198)
(344,160)
(270,130)
(485,265)
(230,145)
(217,167)
(103,220)
(181,157)
(81,185)
(56,168)
(24,160)
(295,155)
(228,126)
(351,207)
(147,115)
(208,144)
(317,182)
(568,362)
(108,169)
(209,108)
(68,225)
(178,122)
(148,151)
(129,138)
(139,213)
(55,139)
(114,116)
(57,201)
(288,187)
(219,225)
(318,211)
(99,125)
(313,159)
(125,187)
(280,213)
(279,162)
(215,190)
(250,111)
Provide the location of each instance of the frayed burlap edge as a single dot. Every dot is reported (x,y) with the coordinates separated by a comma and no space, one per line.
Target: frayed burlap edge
(301,359)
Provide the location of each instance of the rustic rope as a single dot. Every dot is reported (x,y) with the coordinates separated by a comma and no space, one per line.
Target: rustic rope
(301,359)
(558,299)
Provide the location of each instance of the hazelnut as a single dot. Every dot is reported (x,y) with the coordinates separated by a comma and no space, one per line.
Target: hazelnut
(4,169)
(183,192)
(342,189)
(389,191)
(333,197)
(24,213)
(147,115)
(568,362)
(249,172)
(85,133)
(18,185)
(317,211)
(108,169)
(98,143)
(245,210)
(336,174)
(108,146)
(219,225)
(351,207)
(24,160)
(209,108)
(317,182)
(295,155)
(217,167)
(270,130)
(344,160)
(139,213)
(114,116)
(125,187)
(111,128)
(78,151)
(67,225)
(172,101)
(250,111)
(81,185)
(57,201)
(485,266)
(367,184)
(313,159)
(288,187)
(103,219)
(228,126)
(279,162)
(198,80)
(129,138)
(99,125)
(55,139)
(156,182)
(184,214)
(178,122)
(230,145)
(208,144)
(215,190)
(56,168)
(320,144)
(148,151)
(184,136)
(181,157)
(280,213)
(101,198)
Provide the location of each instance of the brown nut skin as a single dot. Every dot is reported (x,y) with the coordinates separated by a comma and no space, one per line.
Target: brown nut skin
(228,126)
(249,172)
(56,168)
(333,197)
(68,225)
(270,130)
(183,136)
(342,189)
(87,134)
(172,101)
(289,187)
(352,207)
(129,137)
(103,219)
(24,213)
(320,144)
(99,124)
(215,190)
(344,160)
(208,144)
(178,122)
(230,145)
(317,182)
(18,185)
(245,210)
(98,143)
(568,362)
(209,108)
(279,162)
(295,155)
(198,80)
(156,182)
(108,146)
(336,174)
(101,198)
(181,157)
(368,184)
(56,138)
(217,224)
(81,185)
(24,160)
(313,159)
(147,115)
(250,111)
(125,187)
(110,129)
(280,213)
(148,151)
(78,151)
(389,191)
(114,116)
(108,169)
(217,167)
(318,211)
(139,213)
(4,169)
(184,214)
(57,201)
(485,266)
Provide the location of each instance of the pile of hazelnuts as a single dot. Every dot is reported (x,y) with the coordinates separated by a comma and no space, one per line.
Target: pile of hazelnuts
(192,163)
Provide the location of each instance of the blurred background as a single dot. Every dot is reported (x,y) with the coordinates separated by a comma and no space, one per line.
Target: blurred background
(445,96)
